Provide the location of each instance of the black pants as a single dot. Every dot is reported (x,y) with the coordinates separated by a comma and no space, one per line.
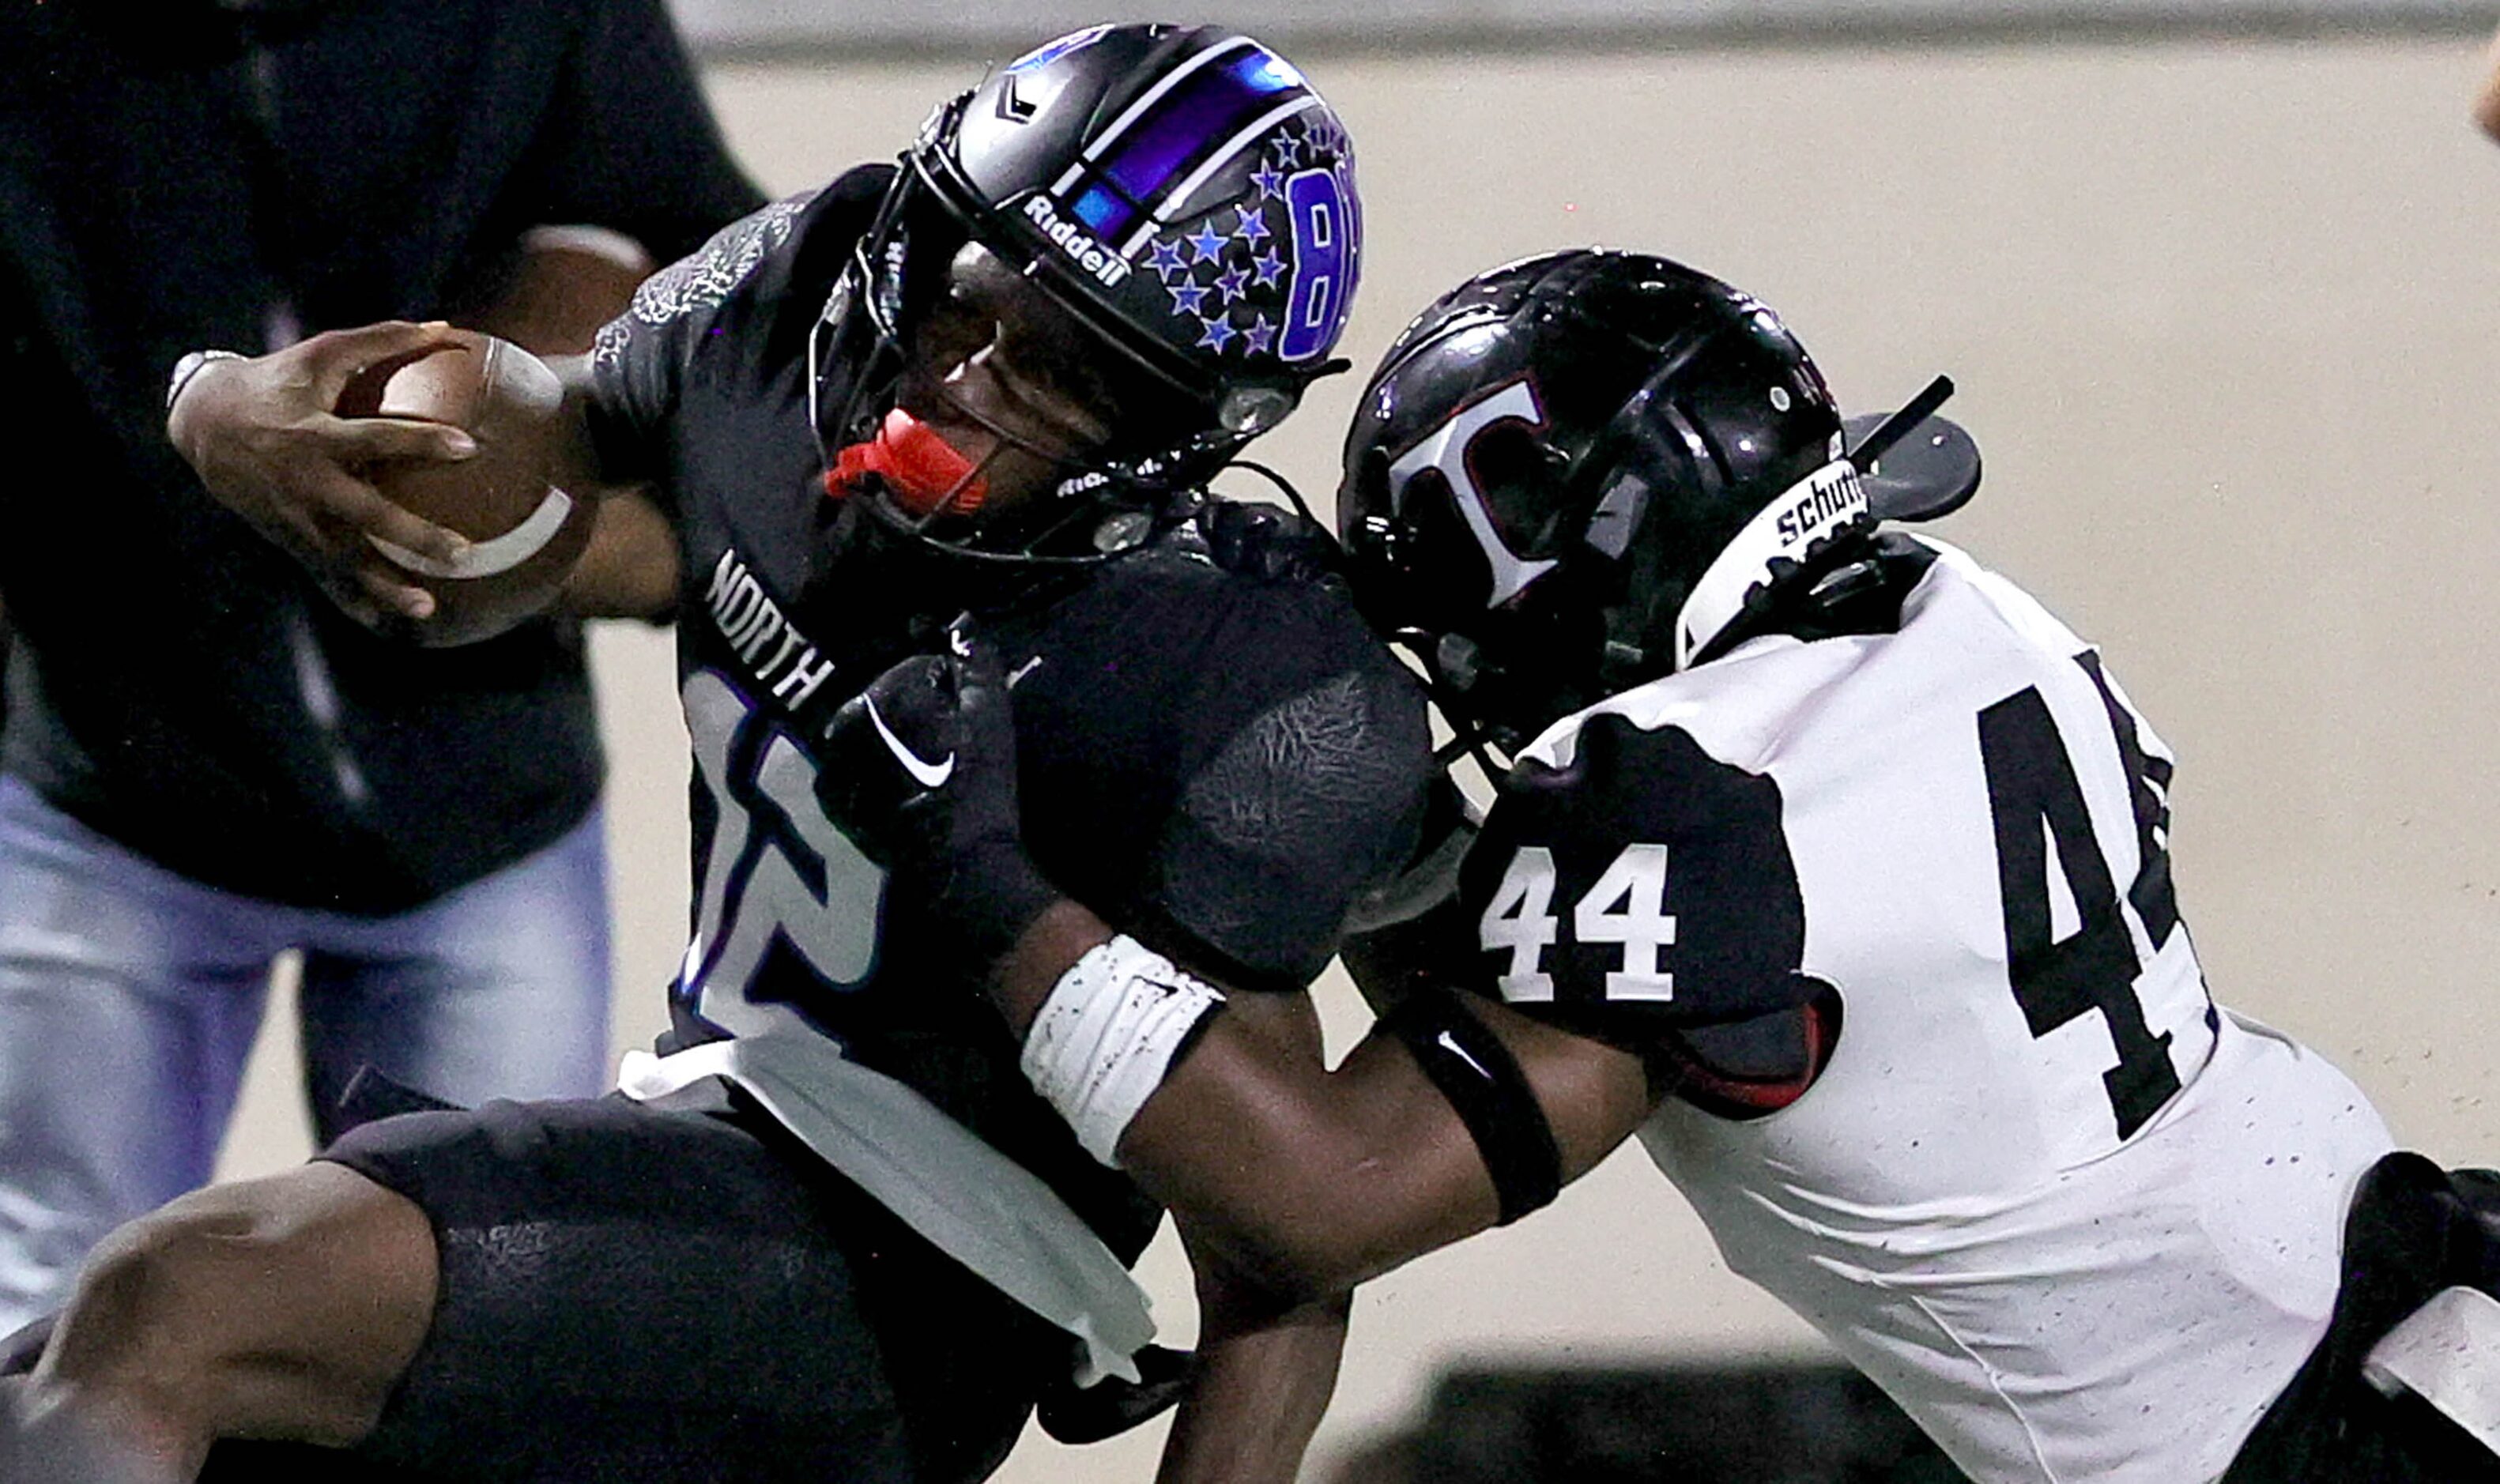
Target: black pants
(675,1292)
(2413,1230)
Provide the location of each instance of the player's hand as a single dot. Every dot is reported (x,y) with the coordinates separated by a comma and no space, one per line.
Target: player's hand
(920,772)
(264,438)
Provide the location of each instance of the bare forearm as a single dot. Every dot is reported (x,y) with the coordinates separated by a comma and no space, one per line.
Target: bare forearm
(1248,1136)
(631,568)
(1048,949)
(2486,101)
(1313,1179)
(1265,1372)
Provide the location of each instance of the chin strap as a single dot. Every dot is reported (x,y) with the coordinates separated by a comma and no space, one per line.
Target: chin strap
(925,474)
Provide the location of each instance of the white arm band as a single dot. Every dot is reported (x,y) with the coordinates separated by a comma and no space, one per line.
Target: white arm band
(1105,1036)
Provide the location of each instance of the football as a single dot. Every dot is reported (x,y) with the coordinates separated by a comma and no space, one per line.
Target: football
(526,533)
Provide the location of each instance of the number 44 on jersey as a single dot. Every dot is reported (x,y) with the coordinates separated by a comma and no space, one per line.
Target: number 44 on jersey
(1626,906)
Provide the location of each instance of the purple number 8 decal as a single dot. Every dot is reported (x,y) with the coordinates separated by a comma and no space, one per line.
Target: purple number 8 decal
(1323,264)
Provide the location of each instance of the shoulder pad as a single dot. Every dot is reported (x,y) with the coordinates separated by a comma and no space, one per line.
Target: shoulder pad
(1640,887)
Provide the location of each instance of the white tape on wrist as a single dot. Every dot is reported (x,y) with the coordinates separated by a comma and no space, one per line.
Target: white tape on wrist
(1107,1036)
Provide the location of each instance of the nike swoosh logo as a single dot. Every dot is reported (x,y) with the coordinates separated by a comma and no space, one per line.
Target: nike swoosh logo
(930,774)
(1449,1043)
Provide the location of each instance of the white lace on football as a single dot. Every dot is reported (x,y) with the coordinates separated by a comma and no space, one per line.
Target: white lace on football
(492,557)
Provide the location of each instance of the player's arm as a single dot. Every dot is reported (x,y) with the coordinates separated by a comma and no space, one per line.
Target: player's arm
(1262,1374)
(2486,100)
(552,296)
(264,437)
(1265,1363)
(265,441)
(1316,1179)
(631,568)
(1449,1118)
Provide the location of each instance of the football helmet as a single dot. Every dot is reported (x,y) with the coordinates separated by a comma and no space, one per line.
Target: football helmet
(1586,470)
(1182,198)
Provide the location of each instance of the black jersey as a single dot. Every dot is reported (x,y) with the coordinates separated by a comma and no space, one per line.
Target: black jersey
(1218,761)
(177,176)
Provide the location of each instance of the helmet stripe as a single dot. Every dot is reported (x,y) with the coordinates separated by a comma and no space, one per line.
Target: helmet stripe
(1214,103)
(1196,129)
(1216,160)
(1172,127)
(1146,100)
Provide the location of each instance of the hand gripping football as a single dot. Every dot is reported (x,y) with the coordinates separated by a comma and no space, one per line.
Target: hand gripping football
(526,534)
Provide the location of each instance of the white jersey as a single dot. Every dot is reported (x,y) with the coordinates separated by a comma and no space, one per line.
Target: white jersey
(2078,1222)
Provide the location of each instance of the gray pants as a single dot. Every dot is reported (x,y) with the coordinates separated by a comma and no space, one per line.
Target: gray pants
(130,996)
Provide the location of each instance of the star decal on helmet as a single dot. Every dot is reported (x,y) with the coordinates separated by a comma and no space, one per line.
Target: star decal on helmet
(1260,262)
(1326,135)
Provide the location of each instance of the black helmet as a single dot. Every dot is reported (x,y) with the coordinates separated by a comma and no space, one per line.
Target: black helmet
(1586,470)
(1179,192)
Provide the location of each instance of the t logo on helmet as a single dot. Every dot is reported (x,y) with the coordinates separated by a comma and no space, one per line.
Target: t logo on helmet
(1447,451)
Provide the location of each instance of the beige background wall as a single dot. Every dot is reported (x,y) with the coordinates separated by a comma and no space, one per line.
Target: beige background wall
(2224,318)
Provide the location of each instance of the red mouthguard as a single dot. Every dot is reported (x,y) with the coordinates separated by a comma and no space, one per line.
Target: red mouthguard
(923,471)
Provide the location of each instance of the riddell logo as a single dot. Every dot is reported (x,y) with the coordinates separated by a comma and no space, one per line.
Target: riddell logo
(1078,244)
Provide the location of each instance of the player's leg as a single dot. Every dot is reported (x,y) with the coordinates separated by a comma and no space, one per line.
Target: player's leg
(128,1000)
(692,1298)
(2445,1354)
(499,989)
(562,1291)
(2414,1232)
(285,1307)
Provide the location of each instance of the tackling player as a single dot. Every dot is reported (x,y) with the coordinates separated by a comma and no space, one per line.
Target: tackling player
(1833,866)
(833,1234)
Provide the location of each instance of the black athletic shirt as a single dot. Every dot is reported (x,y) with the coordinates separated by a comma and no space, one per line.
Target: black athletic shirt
(1217,759)
(172,179)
